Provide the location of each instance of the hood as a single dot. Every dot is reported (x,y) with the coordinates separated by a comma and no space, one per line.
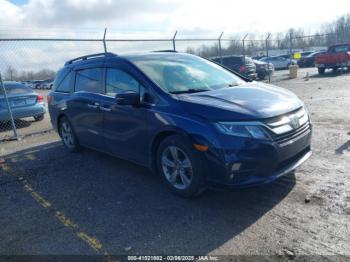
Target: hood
(250,101)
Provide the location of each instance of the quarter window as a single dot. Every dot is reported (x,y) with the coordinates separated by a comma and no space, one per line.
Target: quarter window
(65,85)
(89,80)
(118,81)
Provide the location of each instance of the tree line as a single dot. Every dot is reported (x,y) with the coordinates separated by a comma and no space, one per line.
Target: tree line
(328,34)
(11,74)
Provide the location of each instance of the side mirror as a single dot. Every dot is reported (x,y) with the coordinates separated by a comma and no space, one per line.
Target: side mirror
(128,98)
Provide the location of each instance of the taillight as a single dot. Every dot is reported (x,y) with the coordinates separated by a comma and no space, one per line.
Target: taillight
(241,68)
(39,99)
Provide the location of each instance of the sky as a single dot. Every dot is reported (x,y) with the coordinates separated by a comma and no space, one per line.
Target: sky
(144,19)
(163,17)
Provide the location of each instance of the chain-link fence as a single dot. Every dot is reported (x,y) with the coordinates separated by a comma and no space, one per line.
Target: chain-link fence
(34,62)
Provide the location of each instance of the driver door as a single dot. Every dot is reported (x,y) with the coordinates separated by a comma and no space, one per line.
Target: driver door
(125,125)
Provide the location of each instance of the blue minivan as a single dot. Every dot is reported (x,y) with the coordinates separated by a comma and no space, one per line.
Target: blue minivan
(195,123)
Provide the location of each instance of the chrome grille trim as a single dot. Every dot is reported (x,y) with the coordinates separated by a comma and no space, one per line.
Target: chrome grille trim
(285,124)
(283,132)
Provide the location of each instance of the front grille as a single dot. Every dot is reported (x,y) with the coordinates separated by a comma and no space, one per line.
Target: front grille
(287,128)
(292,135)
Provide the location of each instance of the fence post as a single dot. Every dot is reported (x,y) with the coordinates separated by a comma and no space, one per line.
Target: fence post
(267,44)
(290,45)
(9,109)
(243,43)
(174,47)
(267,51)
(220,50)
(104,40)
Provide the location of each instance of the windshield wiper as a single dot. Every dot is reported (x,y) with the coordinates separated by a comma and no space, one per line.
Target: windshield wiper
(189,91)
(232,85)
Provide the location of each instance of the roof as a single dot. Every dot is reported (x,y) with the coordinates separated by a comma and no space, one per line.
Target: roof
(131,56)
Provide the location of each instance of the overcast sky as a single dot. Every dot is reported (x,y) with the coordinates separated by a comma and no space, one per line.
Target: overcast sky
(195,17)
(147,19)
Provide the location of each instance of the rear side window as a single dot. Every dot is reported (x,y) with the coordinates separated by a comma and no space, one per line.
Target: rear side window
(89,80)
(66,84)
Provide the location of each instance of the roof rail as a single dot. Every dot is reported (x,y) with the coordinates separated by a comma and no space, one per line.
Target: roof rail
(165,51)
(81,58)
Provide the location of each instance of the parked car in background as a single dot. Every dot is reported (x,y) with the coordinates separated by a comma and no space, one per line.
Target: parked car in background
(263,69)
(279,62)
(337,56)
(309,60)
(24,102)
(287,56)
(243,65)
(47,84)
(305,53)
(190,120)
(258,57)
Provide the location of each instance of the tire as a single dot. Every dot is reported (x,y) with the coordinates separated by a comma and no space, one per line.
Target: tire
(69,138)
(262,76)
(321,71)
(180,166)
(288,66)
(39,118)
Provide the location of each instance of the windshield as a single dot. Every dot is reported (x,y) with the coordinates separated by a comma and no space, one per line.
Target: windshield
(185,73)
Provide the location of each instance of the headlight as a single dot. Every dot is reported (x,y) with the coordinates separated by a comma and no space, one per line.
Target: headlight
(243,130)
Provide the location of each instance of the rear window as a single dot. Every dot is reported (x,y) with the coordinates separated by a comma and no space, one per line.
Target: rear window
(15,89)
(233,60)
(340,48)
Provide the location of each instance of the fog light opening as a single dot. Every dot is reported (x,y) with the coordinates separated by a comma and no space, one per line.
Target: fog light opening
(236,167)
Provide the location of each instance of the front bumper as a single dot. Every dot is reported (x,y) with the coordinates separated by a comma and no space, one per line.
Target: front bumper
(259,162)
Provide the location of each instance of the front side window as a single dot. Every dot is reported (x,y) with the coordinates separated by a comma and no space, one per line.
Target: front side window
(89,80)
(118,81)
(185,73)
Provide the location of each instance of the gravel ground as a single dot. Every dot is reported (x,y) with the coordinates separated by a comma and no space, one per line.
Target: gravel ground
(54,202)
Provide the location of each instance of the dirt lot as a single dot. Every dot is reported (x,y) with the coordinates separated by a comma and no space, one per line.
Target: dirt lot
(54,202)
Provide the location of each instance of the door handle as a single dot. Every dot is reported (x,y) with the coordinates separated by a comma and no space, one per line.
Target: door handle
(94,105)
(107,109)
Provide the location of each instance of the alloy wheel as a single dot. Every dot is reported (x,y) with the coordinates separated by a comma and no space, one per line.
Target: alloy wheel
(177,167)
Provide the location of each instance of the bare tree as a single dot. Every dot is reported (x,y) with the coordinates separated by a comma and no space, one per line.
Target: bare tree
(11,73)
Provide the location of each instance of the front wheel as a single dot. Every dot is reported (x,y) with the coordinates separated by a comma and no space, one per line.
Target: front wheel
(180,166)
(321,71)
(68,136)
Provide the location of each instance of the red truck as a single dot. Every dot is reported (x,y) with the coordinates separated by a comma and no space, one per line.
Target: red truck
(337,56)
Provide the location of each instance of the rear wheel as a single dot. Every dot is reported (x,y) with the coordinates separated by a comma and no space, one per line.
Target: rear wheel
(39,117)
(68,136)
(321,71)
(180,166)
